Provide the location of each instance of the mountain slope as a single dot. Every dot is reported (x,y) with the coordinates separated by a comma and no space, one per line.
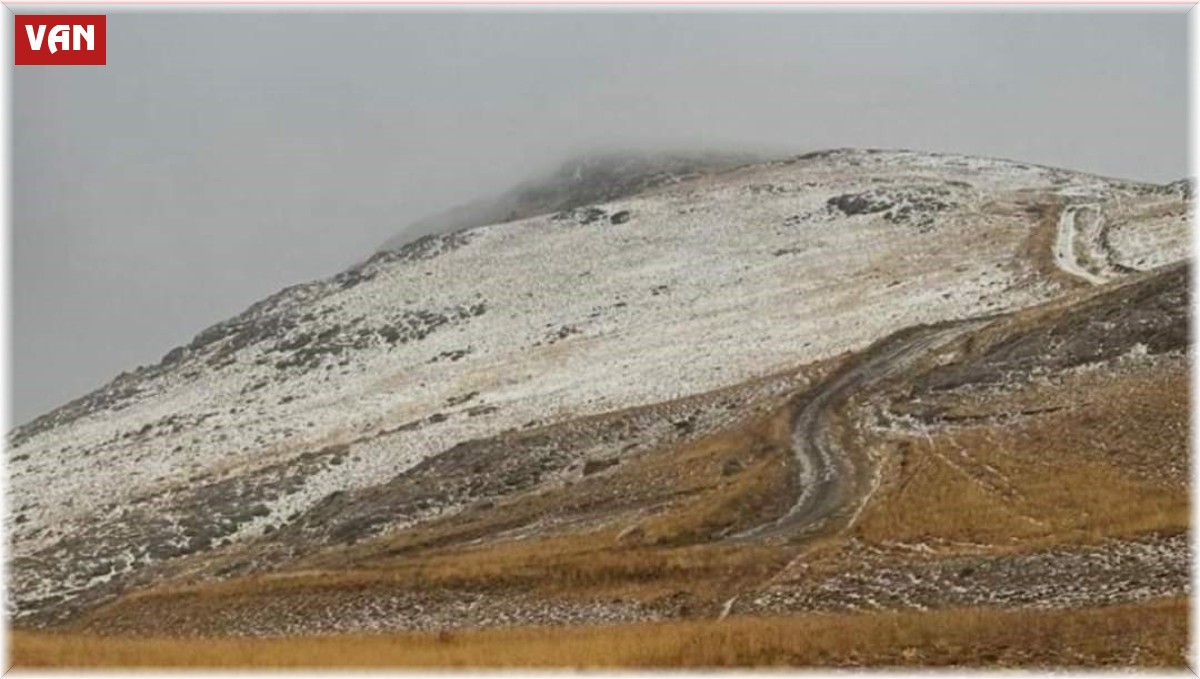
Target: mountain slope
(973,472)
(585,372)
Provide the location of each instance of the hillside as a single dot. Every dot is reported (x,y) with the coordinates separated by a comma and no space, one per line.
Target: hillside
(840,383)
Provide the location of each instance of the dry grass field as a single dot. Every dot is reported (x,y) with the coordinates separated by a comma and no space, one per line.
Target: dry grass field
(1150,635)
(1113,465)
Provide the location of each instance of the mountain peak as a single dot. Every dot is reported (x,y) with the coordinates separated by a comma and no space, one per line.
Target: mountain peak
(635,341)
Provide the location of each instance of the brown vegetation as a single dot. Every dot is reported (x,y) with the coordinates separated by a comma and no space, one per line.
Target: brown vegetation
(1110,464)
(1151,635)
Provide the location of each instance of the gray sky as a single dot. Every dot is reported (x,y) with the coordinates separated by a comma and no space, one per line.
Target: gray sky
(220,157)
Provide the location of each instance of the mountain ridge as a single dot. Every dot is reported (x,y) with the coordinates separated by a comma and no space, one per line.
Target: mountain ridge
(342,389)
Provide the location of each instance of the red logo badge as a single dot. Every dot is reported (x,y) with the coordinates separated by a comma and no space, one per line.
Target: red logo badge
(59,40)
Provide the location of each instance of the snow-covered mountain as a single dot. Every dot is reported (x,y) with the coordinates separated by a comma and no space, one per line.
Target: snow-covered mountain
(685,281)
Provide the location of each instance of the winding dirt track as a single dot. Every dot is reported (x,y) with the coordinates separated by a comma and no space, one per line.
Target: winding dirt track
(833,481)
(1086,225)
(1064,248)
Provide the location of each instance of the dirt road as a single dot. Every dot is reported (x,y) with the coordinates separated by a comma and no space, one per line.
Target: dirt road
(836,483)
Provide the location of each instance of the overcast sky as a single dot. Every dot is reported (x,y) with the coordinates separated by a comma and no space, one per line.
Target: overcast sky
(220,157)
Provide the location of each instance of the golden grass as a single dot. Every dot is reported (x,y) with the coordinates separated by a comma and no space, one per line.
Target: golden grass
(760,490)
(1078,475)
(554,566)
(1148,634)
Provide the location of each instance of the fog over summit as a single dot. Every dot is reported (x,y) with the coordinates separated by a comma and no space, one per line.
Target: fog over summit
(219,158)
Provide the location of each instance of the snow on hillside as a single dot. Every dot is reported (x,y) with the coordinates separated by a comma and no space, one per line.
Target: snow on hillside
(678,290)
